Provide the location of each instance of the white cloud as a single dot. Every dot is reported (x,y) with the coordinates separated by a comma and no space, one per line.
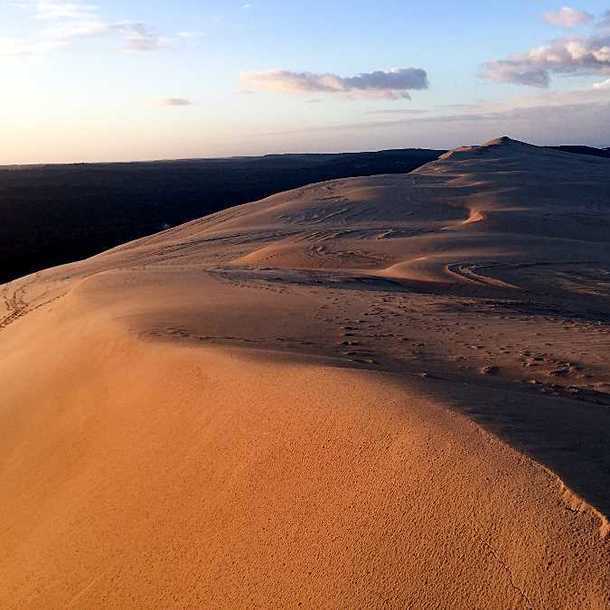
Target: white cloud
(138,37)
(568,17)
(63,22)
(18,47)
(391,84)
(603,85)
(577,55)
(65,32)
(60,9)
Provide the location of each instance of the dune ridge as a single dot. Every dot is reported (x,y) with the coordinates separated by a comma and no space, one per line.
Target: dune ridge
(374,392)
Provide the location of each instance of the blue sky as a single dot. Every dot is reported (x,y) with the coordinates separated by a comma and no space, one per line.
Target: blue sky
(108,80)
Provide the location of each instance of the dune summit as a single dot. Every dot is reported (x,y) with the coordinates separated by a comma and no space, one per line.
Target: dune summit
(388,391)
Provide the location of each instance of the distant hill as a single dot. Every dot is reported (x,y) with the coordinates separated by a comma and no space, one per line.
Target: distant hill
(585,150)
(55,214)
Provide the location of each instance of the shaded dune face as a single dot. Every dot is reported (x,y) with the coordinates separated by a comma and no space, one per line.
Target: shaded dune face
(375,392)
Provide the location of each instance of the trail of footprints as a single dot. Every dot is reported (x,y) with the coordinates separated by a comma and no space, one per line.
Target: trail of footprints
(16,306)
(417,333)
(380,335)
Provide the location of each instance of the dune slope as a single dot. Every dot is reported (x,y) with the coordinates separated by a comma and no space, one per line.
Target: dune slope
(375,392)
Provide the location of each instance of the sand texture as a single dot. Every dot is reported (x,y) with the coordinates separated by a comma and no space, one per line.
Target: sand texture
(384,392)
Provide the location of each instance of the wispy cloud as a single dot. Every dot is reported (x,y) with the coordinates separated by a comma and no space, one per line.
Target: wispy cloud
(59,9)
(602,85)
(140,37)
(20,47)
(398,111)
(391,84)
(568,17)
(176,102)
(61,22)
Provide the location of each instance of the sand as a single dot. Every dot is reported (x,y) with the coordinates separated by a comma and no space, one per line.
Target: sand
(376,392)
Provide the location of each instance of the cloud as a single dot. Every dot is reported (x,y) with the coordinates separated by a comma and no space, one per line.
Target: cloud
(18,47)
(568,17)
(391,84)
(59,9)
(62,22)
(64,32)
(447,107)
(516,71)
(177,102)
(577,55)
(397,111)
(139,37)
(603,85)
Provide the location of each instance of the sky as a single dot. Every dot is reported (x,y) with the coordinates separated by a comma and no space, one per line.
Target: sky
(109,80)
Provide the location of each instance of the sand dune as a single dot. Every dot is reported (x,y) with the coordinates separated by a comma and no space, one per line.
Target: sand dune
(374,392)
